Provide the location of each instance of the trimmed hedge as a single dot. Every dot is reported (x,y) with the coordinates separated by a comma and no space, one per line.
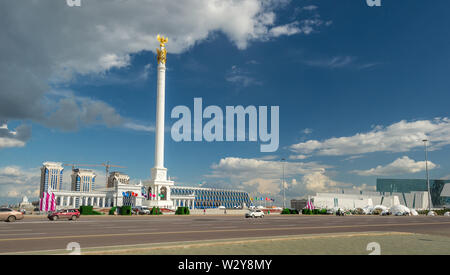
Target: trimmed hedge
(314,212)
(182,211)
(155,211)
(125,211)
(288,211)
(89,211)
(112,210)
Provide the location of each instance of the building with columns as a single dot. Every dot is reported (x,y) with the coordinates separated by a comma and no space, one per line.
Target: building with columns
(110,197)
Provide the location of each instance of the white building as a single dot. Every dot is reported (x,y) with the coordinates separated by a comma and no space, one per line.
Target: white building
(83,180)
(25,203)
(51,177)
(110,197)
(116,178)
(353,200)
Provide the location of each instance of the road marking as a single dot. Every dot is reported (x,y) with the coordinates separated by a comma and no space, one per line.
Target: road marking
(22,234)
(220,230)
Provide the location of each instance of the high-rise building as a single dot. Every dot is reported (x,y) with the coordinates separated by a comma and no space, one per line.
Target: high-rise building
(83,180)
(51,176)
(117,177)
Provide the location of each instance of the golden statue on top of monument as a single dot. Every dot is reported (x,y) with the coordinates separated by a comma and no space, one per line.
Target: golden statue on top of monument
(162,54)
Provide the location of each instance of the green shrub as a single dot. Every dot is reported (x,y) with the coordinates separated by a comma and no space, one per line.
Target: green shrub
(89,210)
(86,210)
(112,210)
(286,211)
(307,211)
(155,211)
(182,211)
(125,211)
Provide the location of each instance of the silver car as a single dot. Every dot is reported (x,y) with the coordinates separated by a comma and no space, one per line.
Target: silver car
(10,215)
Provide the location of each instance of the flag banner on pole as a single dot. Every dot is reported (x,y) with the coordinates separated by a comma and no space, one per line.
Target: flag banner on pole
(47,202)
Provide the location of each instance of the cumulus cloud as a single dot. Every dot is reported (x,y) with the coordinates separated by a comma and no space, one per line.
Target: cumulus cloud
(46,43)
(16,182)
(265,176)
(241,78)
(398,137)
(17,138)
(319,182)
(400,166)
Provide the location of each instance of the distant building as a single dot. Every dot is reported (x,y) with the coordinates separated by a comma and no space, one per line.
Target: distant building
(51,176)
(25,203)
(83,180)
(352,200)
(408,186)
(298,204)
(204,198)
(116,178)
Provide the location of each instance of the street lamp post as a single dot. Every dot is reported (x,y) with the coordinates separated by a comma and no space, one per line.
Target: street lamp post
(284,189)
(428,177)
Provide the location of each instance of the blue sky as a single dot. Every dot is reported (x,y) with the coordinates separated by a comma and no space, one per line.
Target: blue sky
(358,89)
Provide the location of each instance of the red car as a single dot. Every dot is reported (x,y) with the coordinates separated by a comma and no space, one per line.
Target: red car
(69,214)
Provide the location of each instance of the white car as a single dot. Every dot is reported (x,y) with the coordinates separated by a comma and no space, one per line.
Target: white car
(254,214)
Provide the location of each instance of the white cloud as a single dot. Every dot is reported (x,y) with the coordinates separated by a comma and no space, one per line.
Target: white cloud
(16,182)
(298,157)
(319,182)
(334,62)
(400,166)
(264,177)
(17,138)
(398,137)
(241,78)
(65,42)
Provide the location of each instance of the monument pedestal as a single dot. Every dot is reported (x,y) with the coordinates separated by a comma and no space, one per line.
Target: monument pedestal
(160,186)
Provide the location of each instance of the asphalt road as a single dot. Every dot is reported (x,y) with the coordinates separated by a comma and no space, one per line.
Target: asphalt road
(39,234)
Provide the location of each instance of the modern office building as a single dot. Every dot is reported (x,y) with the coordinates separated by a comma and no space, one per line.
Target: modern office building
(83,180)
(408,186)
(51,177)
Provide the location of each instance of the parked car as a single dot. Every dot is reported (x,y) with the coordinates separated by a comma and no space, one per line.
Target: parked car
(254,214)
(68,214)
(141,210)
(10,215)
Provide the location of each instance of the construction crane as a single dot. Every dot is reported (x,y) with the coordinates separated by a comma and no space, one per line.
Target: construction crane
(106,165)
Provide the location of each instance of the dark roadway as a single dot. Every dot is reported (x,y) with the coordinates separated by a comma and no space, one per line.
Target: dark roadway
(38,234)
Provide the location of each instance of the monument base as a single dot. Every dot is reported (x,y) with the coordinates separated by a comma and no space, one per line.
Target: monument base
(160,187)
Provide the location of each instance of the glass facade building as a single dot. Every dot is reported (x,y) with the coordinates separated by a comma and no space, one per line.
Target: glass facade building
(419,185)
(212,198)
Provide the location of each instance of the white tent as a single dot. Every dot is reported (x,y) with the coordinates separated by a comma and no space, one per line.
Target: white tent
(400,210)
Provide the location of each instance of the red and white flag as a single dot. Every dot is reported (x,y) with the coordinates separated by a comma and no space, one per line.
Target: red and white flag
(47,202)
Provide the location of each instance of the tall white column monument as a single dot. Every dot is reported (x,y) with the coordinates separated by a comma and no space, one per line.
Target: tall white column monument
(159,184)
